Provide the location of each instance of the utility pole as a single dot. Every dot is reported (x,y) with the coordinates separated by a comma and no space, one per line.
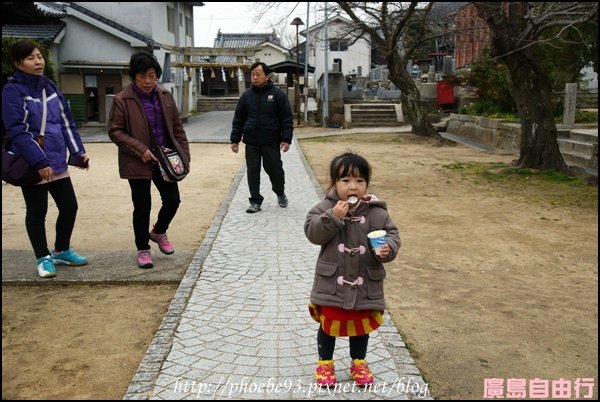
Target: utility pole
(306,63)
(326,78)
(297,21)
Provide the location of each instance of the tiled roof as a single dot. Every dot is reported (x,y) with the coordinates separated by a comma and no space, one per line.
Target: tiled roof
(29,13)
(43,33)
(51,9)
(242,40)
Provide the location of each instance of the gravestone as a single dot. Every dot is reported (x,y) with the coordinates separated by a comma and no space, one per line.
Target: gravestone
(448,66)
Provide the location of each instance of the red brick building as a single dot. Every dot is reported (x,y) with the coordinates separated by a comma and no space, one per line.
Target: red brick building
(472,36)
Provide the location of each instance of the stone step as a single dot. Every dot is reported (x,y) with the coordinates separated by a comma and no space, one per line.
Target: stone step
(215,107)
(585,135)
(370,104)
(216,104)
(386,108)
(576,159)
(580,148)
(576,147)
(372,112)
(375,124)
(373,115)
(375,120)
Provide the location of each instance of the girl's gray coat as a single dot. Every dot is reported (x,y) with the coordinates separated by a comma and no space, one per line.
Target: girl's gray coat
(348,274)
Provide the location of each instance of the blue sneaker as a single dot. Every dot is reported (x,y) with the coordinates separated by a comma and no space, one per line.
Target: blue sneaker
(68,257)
(45,267)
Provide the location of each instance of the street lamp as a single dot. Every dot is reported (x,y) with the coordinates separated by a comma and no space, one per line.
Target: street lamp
(297,21)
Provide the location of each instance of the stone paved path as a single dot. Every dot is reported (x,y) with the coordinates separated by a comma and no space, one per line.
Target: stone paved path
(239,327)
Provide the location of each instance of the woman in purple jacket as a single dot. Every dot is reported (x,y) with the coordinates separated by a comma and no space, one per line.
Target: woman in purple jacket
(31,101)
(140,110)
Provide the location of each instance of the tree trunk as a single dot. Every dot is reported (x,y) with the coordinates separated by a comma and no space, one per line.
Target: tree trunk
(531,89)
(417,115)
(529,84)
(411,99)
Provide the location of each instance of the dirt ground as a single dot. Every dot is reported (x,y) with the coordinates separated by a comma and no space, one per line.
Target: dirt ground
(495,278)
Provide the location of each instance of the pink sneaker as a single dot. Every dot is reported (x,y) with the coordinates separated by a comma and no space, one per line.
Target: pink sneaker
(144,259)
(163,242)
(360,372)
(325,373)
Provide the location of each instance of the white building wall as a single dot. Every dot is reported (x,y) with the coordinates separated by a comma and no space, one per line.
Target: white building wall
(589,79)
(100,46)
(270,55)
(358,54)
(134,15)
(150,19)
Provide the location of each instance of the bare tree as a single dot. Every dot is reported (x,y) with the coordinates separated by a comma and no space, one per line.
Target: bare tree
(278,15)
(516,31)
(397,30)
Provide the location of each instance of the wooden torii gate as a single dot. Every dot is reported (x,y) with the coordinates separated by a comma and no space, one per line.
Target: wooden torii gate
(240,53)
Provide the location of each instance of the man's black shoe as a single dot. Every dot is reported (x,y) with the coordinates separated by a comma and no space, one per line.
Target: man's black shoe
(253,208)
(282,200)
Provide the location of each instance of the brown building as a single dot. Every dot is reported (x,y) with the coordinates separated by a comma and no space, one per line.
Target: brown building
(472,36)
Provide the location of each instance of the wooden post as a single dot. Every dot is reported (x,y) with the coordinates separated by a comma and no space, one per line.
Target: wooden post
(185,90)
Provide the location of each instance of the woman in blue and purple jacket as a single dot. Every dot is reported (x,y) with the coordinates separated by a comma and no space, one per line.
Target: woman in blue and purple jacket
(31,101)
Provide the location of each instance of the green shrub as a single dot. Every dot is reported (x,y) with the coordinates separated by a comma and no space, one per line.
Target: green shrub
(581,116)
(489,79)
(586,116)
(488,108)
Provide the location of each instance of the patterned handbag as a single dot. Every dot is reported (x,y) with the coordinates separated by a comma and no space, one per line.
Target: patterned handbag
(170,163)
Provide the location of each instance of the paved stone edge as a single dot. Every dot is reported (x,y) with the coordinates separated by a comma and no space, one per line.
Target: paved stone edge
(143,381)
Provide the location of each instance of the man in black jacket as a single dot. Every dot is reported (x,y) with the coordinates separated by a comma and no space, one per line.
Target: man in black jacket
(264,121)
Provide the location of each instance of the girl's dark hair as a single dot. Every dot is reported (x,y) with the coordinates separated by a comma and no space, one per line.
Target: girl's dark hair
(22,49)
(349,164)
(140,62)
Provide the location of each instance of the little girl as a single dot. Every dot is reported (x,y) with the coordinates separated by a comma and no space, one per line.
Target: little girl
(347,294)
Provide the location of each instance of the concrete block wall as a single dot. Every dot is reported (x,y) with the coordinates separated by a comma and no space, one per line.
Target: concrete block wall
(495,133)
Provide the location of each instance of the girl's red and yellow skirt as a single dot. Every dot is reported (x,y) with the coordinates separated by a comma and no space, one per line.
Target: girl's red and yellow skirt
(336,321)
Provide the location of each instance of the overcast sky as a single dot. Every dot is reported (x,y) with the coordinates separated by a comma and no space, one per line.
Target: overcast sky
(240,17)
(229,17)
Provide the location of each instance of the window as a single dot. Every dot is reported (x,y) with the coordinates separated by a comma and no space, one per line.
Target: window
(91,81)
(188,26)
(338,45)
(170,19)
(337,65)
(180,19)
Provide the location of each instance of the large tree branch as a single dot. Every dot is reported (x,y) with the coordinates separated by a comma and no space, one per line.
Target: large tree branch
(362,25)
(539,20)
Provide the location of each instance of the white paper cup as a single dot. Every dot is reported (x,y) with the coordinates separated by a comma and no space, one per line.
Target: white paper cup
(377,239)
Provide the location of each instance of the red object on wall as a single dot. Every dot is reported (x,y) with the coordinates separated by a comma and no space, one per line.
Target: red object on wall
(445,93)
